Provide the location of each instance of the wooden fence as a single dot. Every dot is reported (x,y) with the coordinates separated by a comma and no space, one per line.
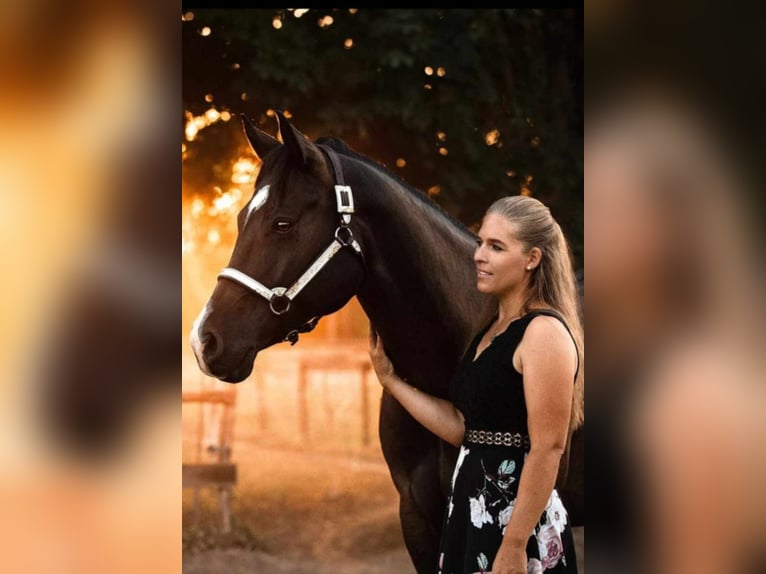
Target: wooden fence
(212,466)
(316,398)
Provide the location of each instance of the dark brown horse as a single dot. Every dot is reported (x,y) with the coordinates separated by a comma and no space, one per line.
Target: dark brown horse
(409,264)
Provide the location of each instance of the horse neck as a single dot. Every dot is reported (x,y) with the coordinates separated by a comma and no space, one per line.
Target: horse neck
(420,291)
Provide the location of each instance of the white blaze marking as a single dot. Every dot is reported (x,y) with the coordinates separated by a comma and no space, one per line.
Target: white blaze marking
(258,200)
(196,336)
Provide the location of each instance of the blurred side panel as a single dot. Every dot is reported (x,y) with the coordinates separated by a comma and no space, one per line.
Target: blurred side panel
(675,310)
(90,306)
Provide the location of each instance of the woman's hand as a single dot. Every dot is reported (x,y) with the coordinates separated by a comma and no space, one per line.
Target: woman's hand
(438,415)
(384,369)
(510,559)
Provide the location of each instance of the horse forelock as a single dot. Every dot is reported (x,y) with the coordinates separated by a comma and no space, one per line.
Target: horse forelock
(281,174)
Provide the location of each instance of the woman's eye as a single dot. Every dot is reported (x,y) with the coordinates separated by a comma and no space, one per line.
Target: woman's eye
(282,225)
(496,248)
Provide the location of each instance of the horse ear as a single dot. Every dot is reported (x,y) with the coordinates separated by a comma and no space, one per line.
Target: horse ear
(260,142)
(298,144)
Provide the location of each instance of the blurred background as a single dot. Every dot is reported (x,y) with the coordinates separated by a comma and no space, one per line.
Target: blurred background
(90,306)
(283,472)
(675,309)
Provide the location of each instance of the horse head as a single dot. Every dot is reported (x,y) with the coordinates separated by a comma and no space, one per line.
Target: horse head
(295,258)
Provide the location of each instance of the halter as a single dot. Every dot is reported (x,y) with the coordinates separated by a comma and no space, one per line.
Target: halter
(280,298)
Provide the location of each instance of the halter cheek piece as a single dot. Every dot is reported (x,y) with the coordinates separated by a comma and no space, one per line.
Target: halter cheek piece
(280,298)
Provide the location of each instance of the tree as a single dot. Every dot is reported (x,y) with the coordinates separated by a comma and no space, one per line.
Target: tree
(466,105)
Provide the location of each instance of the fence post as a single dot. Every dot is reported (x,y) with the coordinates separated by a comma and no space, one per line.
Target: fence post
(365,406)
(303,409)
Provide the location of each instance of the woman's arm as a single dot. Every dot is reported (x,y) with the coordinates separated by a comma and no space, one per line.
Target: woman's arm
(437,415)
(548,361)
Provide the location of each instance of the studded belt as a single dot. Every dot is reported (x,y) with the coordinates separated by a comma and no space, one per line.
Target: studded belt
(497,438)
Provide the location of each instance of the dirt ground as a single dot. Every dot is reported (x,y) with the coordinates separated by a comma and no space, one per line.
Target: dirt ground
(307,512)
(241,562)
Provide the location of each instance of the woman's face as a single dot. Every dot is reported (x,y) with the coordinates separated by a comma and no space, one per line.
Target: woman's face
(500,258)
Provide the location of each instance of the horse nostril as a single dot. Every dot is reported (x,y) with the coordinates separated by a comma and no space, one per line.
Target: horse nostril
(210,344)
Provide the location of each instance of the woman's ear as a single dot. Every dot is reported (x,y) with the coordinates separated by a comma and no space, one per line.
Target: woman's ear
(534,257)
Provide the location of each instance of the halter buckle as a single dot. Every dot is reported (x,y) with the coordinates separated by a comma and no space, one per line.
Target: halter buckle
(277,294)
(344,198)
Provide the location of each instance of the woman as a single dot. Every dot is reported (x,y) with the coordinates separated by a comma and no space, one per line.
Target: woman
(515,397)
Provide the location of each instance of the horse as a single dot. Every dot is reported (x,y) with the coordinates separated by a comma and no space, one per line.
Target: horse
(408,262)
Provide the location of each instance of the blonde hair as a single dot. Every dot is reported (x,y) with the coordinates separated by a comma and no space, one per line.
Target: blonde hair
(552,282)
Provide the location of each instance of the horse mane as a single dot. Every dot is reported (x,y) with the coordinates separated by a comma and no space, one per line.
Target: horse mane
(340,147)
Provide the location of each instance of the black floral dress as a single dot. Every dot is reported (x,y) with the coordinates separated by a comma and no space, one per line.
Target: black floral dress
(490,394)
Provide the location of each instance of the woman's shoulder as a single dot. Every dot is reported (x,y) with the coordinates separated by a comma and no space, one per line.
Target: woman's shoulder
(546,329)
(547,326)
(543,320)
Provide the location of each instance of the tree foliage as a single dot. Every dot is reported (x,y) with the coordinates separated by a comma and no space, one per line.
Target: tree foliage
(499,113)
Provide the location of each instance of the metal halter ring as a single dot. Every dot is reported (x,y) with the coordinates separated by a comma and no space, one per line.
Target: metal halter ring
(278,293)
(349,235)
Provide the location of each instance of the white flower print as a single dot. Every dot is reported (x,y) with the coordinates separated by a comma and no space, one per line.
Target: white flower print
(460,458)
(505,515)
(557,514)
(479,514)
(534,566)
(550,546)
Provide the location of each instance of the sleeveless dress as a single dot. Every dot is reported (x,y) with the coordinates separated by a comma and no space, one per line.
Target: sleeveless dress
(490,394)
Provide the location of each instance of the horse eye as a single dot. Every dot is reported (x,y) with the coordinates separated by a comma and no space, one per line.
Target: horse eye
(282,225)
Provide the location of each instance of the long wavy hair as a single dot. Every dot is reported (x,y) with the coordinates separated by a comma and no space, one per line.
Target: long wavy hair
(552,283)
